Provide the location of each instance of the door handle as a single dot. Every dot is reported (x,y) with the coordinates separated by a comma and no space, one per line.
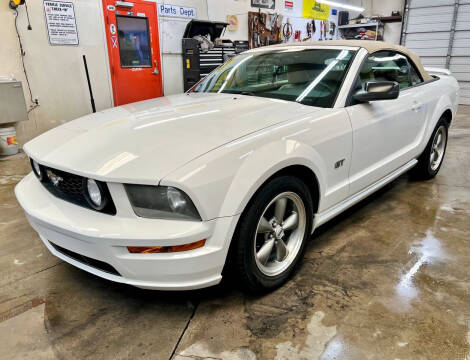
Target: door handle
(155,70)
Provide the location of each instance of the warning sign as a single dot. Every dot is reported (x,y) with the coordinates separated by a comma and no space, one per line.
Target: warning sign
(60,22)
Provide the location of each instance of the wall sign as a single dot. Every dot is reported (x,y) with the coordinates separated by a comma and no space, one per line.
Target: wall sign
(176,11)
(289,4)
(265,4)
(312,9)
(60,22)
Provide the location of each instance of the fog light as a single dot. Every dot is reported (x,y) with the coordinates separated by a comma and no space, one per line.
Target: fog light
(94,192)
(165,249)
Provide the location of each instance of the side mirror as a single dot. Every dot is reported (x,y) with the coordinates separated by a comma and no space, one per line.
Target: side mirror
(378,90)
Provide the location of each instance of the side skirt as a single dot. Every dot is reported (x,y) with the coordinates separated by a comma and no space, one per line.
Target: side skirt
(354,199)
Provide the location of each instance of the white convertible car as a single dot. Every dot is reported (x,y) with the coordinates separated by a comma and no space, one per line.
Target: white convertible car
(237,173)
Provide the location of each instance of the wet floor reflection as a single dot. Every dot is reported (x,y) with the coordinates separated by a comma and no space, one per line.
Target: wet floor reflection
(334,349)
(428,251)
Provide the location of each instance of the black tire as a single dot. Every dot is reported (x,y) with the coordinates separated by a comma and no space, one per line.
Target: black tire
(244,266)
(424,169)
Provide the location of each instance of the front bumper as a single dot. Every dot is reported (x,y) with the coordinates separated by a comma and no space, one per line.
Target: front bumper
(104,238)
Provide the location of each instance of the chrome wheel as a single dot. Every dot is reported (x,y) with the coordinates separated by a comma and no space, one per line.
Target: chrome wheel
(437,148)
(280,233)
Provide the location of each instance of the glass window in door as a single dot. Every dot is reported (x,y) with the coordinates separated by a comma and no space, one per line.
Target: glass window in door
(134,41)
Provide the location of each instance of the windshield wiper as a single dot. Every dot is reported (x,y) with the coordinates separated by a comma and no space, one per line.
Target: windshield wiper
(247,93)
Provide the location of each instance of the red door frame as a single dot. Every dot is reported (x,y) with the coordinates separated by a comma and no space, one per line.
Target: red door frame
(133,83)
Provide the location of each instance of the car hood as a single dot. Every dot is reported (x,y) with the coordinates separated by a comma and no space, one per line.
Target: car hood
(142,142)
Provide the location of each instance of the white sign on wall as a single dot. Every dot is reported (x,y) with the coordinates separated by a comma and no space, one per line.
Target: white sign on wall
(60,22)
(176,11)
(266,4)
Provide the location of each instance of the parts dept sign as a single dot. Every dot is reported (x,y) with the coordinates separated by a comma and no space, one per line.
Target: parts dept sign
(176,11)
(60,22)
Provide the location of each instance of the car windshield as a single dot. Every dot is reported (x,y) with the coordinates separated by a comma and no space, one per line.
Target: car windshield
(308,76)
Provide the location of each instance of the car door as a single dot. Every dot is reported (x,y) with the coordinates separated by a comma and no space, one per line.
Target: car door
(385,132)
(133,50)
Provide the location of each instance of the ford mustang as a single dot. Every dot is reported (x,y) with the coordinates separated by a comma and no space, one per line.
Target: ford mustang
(234,175)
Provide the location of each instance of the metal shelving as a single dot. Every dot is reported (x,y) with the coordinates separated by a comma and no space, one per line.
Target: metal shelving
(369,24)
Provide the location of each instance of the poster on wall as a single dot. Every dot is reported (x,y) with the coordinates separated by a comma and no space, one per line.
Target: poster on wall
(232,21)
(312,9)
(60,22)
(265,4)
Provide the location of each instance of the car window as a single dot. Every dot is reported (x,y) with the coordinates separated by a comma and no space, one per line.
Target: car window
(308,76)
(389,66)
(415,78)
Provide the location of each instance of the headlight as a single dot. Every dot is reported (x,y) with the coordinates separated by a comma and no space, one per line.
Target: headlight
(95,194)
(36,169)
(161,202)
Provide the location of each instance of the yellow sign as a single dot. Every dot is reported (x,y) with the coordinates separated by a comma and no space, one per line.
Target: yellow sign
(312,9)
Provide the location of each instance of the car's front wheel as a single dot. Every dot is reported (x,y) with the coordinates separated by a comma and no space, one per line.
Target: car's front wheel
(271,236)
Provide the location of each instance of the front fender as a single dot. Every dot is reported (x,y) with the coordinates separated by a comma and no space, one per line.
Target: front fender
(221,182)
(273,157)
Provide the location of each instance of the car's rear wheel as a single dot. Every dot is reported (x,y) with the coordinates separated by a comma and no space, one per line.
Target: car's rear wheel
(431,159)
(272,233)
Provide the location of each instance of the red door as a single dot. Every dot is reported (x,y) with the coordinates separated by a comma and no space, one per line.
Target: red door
(133,49)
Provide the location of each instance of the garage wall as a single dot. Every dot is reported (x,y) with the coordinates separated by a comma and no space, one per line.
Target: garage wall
(392,31)
(460,55)
(219,10)
(56,73)
(439,31)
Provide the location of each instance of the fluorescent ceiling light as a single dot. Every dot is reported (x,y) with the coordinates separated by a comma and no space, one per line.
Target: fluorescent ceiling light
(341,5)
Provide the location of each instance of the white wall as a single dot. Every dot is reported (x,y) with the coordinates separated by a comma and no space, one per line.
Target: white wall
(242,7)
(56,73)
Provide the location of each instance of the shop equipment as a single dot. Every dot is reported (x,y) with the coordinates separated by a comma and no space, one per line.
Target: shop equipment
(197,63)
(12,101)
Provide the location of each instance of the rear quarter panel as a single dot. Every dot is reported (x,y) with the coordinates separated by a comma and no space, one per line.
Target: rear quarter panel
(437,96)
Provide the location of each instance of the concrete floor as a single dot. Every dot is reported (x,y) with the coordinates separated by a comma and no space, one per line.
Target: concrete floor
(389,279)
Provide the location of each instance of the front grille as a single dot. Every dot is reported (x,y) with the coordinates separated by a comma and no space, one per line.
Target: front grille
(70,188)
(97,264)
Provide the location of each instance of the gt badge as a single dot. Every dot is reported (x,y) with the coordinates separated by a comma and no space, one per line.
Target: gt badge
(339,163)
